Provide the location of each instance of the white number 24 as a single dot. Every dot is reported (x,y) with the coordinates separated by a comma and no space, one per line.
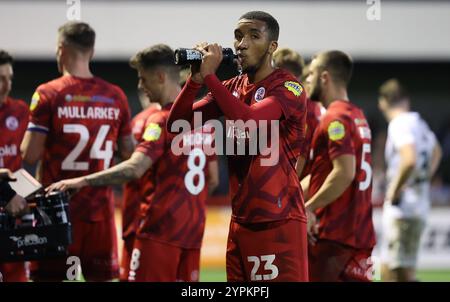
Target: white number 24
(70,163)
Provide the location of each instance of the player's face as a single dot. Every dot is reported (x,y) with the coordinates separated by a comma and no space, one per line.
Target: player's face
(6,76)
(313,81)
(252,44)
(149,84)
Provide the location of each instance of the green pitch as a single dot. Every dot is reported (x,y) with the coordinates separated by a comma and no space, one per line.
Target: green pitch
(219,275)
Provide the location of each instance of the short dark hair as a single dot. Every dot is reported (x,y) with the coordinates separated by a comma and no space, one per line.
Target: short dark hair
(5,57)
(272,24)
(290,60)
(338,64)
(159,55)
(392,91)
(78,34)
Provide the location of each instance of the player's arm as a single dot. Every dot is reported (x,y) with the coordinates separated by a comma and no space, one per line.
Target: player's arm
(126,146)
(32,147)
(266,110)
(340,177)
(408,159)
(436,157)
(184,107)
(130,169)
(304,183)
(300,165)
(213,176)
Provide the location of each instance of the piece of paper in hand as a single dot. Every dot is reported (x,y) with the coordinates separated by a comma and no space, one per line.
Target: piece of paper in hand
(25,185)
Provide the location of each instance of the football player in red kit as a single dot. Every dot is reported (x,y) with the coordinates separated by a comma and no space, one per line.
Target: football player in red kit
(13,123)
(267,235)
(134,193)
(341,178)
(77,123)
(292,61)
(170,231)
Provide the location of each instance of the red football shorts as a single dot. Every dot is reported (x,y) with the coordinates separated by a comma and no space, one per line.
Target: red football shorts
(95,243)
(127,250)
(155,261)
(330,261)
(13,272)
(273,251)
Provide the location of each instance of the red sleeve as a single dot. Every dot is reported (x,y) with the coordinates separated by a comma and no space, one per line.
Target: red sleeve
(125,124)
(184,106)
(338,131)
(153,141)
(267,109)
(40,109)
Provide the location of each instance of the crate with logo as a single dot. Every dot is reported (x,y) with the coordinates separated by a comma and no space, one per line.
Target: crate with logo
(44,233)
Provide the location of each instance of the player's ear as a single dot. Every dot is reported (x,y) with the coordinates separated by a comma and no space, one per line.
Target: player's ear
(324,77)
(91,54)
(272,47)
(161,75)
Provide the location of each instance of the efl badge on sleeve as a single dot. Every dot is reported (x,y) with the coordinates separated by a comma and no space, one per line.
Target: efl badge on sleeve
(152,132)
(336,131)
(293,87)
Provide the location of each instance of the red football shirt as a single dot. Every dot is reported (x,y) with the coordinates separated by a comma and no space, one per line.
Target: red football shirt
(13,123)
(83,119)
(135,191)
(344,130)
(175,210)
(314,112)
(268,193)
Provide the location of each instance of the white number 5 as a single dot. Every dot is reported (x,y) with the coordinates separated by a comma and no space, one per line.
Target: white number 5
(363,185)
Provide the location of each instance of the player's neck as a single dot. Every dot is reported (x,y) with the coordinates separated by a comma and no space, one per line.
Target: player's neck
(396,111)
(170,94)
(337,94)
(78,69)
(2,100)
(260,74)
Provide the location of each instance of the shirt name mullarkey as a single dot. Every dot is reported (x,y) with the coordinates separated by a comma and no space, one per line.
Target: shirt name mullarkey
(96,113)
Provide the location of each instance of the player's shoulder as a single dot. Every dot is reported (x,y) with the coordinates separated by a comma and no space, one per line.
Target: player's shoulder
(405,120)
(158,116)
(108,86)
(19,104)
(53,86)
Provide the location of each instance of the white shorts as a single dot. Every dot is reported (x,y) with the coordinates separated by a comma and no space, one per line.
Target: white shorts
(401,241)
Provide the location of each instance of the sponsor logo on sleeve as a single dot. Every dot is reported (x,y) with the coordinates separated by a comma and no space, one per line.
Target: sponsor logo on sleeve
(336,131)
(152,132)
(293,87)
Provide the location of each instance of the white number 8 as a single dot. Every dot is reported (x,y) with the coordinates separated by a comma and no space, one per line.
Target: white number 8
(195,170)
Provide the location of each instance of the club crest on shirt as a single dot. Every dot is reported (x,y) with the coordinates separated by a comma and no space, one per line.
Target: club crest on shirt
(259,94)
(152,132)
(34,100)
(336,131)
(293,87)
(12,123)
